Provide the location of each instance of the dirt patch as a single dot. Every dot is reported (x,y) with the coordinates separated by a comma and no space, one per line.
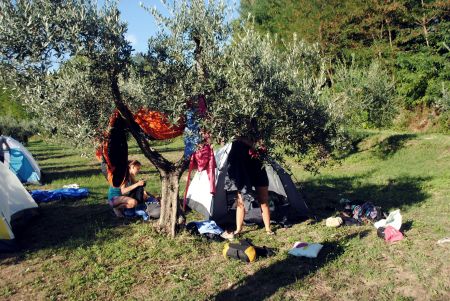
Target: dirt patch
(410,285)
(423,119)
(18,277)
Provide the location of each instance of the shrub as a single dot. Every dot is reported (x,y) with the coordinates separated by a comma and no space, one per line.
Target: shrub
(422,78)
(20,130)
(362,96)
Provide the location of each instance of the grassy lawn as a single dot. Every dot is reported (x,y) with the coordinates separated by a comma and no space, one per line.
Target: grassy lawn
(77,250)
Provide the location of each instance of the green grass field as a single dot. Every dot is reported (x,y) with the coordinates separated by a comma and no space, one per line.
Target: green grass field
(77,250)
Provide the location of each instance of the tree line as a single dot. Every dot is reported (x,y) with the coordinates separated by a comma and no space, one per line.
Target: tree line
(411,39)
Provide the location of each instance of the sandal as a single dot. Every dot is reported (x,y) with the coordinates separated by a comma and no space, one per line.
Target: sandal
(227,235)
(270,232)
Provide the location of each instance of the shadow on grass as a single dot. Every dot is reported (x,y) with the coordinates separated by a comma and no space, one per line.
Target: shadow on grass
(65,224)
(265,282)
(50,176)
(355,139)
(49,156)
(323,195)
(383,149)
(51,165)
(392,144)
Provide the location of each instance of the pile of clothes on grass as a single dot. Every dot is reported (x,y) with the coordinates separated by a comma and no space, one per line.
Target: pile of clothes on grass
(388,225)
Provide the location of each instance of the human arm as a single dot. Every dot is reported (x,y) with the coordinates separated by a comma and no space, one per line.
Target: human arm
(126,189)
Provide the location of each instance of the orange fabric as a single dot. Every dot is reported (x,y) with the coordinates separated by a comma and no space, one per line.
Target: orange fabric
(156,125)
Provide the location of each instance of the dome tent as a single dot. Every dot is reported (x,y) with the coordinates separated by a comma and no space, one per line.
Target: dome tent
(285,200)
(16,206)
(19,160)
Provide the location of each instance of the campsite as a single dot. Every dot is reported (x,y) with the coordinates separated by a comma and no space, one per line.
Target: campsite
(205,150)
(78,250)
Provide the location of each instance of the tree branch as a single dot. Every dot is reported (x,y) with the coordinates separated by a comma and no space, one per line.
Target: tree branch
(161,163)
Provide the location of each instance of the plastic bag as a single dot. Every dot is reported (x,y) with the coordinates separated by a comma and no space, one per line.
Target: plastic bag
(394,219)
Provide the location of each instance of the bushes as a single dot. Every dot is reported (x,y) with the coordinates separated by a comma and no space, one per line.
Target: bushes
(422,78)
(363,96)
(20,130)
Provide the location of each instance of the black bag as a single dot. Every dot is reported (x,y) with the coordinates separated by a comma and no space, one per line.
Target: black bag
(244,251)
(137,194)
(380,232)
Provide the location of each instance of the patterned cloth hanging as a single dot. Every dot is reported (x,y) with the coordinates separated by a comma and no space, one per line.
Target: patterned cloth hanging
(156,125)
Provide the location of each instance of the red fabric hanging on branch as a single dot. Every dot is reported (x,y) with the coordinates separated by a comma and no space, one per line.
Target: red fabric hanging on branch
(203,159)
(156,125)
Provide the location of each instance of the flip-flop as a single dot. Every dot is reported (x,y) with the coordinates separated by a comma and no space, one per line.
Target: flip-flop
(228,235)
(270,232)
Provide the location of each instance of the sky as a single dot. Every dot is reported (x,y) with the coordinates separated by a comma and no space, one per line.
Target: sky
(141,24)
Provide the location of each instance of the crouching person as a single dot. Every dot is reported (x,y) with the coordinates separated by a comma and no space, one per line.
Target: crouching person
(120,198)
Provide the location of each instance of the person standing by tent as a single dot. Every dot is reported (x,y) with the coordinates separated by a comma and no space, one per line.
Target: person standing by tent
(118,197)
(245,171)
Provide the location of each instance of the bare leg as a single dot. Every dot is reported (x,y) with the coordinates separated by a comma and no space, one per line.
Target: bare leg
(240,213)
(121,203)
(263,199)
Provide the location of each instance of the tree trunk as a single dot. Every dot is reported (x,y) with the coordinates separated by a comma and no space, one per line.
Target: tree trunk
(170,206)
(170,173)
(425,30)
(388,25)
(424,25)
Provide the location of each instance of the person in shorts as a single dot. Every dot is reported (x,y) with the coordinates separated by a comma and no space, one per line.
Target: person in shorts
(117,196)
(245,171)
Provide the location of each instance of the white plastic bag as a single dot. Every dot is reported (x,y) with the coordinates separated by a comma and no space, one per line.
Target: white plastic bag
(394,219)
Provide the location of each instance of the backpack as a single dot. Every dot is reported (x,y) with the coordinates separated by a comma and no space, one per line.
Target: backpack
(153,209)
(243,250)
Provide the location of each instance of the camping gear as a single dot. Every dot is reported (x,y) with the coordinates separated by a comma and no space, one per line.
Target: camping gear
(156,125)
(366,211)
(243,250)
(43,196)
(192,136)
(394,219)
(153,209)
(71,186)
(208,227)
(113,151)
(443,240)
(18,159)
(284,196)
(390,234)
(310,250)
(209,230)
(147,210)
(138,211)
(265,251)
(202,159)
(16,207)
(137,194)
(334,222)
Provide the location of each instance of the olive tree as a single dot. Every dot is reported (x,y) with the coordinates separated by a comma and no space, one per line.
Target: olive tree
(72,65)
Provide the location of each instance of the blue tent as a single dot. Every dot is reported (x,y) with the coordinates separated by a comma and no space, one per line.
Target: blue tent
(19,160)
